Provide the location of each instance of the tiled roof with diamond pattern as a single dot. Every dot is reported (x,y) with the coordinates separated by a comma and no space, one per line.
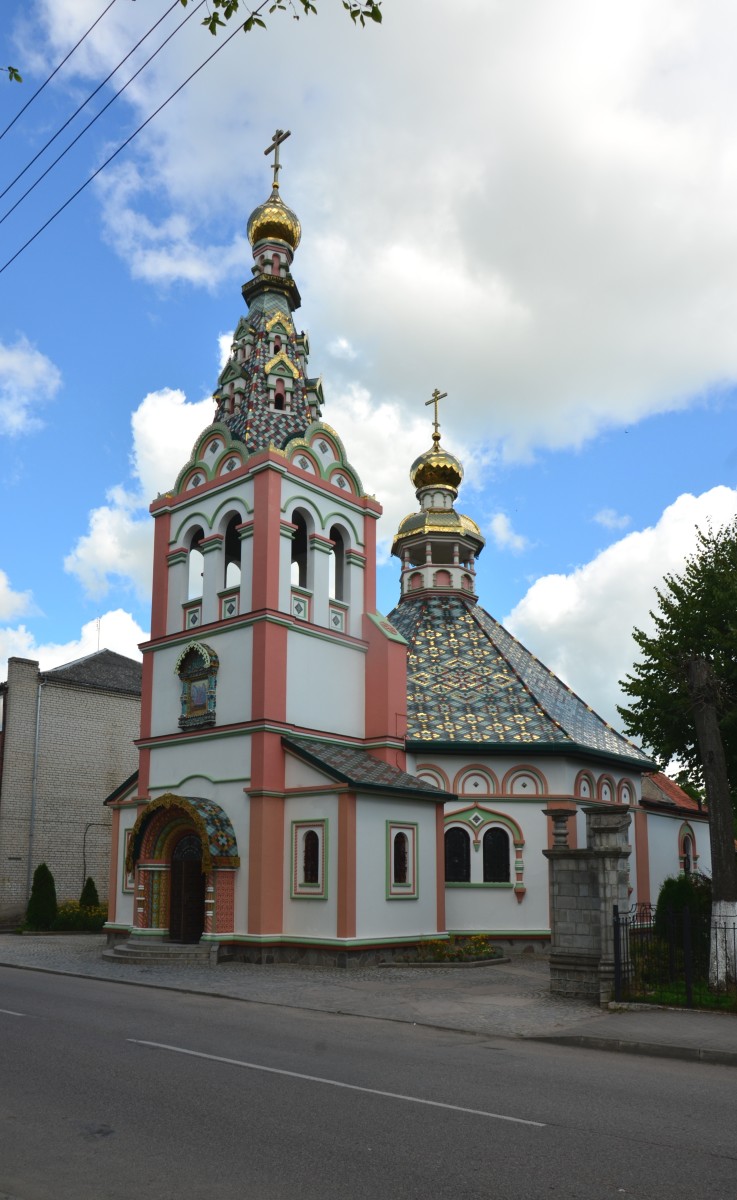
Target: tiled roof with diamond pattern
(352,765)
(470,682)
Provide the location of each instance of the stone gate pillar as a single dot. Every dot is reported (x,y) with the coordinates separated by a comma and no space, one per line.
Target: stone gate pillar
(584,887)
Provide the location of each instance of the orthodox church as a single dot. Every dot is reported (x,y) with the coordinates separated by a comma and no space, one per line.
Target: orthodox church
(316,780)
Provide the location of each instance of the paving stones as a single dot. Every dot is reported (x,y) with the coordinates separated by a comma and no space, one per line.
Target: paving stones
(512,1000)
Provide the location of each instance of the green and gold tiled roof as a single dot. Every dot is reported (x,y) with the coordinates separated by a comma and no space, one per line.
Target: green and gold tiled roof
(469,682)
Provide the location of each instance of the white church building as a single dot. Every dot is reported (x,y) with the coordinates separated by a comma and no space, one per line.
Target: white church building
(317,780)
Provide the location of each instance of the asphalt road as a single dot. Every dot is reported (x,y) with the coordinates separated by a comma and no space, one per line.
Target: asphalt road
(121,1092)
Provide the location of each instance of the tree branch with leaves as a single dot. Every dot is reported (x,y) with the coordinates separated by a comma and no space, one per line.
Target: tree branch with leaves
(223,11)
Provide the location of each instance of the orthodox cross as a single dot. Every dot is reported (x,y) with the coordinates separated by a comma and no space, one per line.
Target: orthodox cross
(435,399)
(280,136)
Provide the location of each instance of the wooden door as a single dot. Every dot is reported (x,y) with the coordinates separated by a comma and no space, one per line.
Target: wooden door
(187,891)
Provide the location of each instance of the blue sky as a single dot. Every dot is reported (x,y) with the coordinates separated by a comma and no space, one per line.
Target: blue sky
(531,206)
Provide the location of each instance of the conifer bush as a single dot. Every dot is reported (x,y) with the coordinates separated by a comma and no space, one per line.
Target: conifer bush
(89,897)
(42,907)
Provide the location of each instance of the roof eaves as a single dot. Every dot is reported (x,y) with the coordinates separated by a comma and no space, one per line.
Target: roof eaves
(557,748)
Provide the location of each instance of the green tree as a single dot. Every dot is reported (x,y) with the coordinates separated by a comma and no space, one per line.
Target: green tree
(89,897)
(683,697)
(222,11)
(42,906)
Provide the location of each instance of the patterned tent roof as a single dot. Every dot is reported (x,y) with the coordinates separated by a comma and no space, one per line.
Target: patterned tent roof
(470,682)
(219,847)
(352,765)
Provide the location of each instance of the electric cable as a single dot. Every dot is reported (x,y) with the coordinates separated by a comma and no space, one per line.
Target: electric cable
(86,102)
(53,73)
(97,116)
(121,147)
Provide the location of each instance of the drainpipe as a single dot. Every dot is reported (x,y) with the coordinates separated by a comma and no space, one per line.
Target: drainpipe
(34,781)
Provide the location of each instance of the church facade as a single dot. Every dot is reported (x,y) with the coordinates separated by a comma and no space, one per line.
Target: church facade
(314,778)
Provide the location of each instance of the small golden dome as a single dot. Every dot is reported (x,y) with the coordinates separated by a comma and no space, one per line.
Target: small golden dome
(274,220)
(436,468)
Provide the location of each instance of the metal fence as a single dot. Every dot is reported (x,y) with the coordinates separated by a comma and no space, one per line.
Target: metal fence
(667,957)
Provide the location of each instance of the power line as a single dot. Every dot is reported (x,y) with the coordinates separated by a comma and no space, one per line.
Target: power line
(97,116)
(53,73)
(122,146)
(86,102)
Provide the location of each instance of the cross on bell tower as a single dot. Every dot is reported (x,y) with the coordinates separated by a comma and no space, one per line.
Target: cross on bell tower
(280,136)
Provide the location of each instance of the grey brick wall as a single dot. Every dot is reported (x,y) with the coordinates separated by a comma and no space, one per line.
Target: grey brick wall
(85,750)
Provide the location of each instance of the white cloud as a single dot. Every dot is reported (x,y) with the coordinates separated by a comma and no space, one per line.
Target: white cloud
(117,631)
(225,341)
(505,536)
(580,625)
(27,379)
(611,519)
(119,543)
(12,604)
(579,264)
(341,348)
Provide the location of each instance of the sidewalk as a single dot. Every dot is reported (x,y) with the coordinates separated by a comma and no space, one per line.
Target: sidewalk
(505,1000)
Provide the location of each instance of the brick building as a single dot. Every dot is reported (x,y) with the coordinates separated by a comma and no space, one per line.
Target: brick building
(66,742)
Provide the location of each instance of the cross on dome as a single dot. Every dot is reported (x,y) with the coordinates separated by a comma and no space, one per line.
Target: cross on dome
(280,136)
(435,399)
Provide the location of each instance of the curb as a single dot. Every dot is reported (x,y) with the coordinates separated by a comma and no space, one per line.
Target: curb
(724,1058)
(479,962)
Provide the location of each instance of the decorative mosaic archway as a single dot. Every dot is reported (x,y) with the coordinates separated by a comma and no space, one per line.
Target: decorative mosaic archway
(159,829)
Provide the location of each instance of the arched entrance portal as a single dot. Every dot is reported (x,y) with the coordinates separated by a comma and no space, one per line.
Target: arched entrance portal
(183,853)
(187,891)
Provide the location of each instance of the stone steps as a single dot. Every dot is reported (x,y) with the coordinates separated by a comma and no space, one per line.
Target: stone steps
(159,953)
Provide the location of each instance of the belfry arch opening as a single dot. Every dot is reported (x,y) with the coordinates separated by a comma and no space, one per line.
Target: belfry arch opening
(196,565)
(337,564)
(299,550)
(232,553)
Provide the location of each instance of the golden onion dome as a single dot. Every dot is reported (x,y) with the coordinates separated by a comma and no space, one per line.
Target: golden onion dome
(274,220)
(436,468)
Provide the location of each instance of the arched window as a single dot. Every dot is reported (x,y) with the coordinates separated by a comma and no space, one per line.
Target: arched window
(400,867)
(280,399)
(232,549)
(275,264)
(299,551)
(457,856)
(496,856)
(277,344)
(196,565)
(337,564)
(687,856)
(311,858)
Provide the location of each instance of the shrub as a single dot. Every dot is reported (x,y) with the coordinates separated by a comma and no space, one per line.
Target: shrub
(42,905)
(73,918)
(469,949)
(683,891)
(89,897)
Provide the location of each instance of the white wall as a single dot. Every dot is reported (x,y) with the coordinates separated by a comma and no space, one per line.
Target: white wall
(307,916)
(325,685)
(375,915)
(234,648)
(662,832)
